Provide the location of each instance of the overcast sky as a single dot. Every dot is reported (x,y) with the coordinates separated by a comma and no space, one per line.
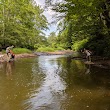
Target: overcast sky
(49,15)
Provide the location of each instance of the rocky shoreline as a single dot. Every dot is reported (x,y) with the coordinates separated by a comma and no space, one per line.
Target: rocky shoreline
(96,61)
(3,57)
(64,52)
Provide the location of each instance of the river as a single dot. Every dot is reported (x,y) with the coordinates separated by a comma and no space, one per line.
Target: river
(54,82)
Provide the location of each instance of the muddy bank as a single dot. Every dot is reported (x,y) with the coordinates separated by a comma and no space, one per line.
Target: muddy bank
(64,52)
(17,56)
(101,62)
(96,60)
(3,57)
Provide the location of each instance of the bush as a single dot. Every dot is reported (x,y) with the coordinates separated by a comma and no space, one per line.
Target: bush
(45,49)
(60,48)
(79,44)
(49,49)
(100,45)
(21,50)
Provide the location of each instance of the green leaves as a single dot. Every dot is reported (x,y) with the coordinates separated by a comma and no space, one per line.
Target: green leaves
(21,20)
(83,19)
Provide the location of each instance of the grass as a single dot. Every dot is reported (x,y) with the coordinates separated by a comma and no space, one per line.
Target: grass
(40,49)
(19,50)
(48,49)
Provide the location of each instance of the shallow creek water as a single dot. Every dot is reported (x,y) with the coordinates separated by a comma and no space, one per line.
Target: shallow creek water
(54,82)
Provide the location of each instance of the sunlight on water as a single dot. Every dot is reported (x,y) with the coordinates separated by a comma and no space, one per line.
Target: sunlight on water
(51,91)
(53,83)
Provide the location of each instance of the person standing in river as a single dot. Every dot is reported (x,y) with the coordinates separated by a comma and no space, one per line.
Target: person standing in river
(8,50)
(88,54)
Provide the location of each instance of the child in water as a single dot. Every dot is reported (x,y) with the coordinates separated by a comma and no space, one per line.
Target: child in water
(12,54)
(88,54)
(9,52)
(8,49)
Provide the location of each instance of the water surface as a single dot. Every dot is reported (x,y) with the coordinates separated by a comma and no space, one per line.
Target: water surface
(53,83)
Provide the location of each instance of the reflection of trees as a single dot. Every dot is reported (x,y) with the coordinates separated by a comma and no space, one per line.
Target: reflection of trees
(88,87)
(74,70)
(86,75)
(81,80)
(101,76)
(52,86)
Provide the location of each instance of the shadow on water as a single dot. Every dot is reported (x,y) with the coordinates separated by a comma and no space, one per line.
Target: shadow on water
(54,83)
(88,86)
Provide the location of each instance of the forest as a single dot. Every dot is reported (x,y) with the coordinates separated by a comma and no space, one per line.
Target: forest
(81,24)
(22,22)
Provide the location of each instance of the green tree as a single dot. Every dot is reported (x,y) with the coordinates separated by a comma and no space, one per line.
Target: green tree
(22,23)
(85,19)
(52,39)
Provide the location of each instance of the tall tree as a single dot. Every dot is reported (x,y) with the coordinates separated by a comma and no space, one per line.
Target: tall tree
(90,19)
(52,39)
(22,22)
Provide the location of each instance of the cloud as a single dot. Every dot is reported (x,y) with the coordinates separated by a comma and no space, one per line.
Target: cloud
(49,13)
(40,2)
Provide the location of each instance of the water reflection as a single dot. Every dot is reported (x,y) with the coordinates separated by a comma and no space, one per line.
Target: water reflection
(1,65)
(51,92)
(88,69)
(54,83)
(9,67)
(67,85)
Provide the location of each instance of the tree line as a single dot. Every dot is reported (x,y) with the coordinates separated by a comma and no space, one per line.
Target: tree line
(83,24)
(21,23)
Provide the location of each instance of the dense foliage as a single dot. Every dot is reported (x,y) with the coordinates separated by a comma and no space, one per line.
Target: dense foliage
(84,23)
(52,44)
(21,23)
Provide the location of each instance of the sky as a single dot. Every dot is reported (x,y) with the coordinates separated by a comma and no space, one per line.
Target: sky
(49,15)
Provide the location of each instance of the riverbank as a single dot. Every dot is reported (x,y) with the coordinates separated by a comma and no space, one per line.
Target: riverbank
(3,57)
(96,60)
(63,52)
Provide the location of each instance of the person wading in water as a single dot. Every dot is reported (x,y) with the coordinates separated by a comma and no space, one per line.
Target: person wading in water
(9,52)
(88,54)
